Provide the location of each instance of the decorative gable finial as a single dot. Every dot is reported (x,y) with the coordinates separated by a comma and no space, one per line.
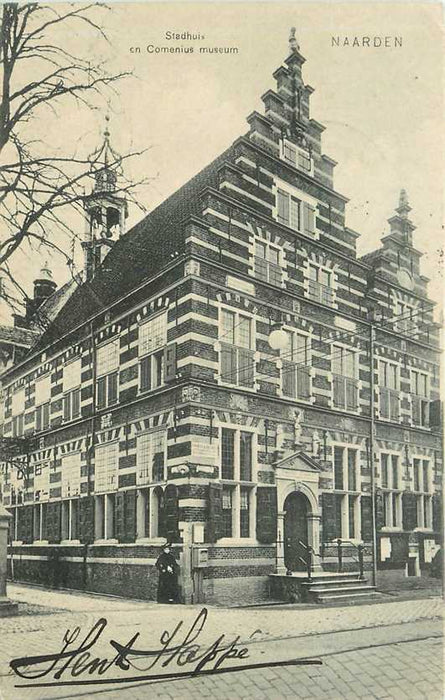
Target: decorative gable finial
(404,208)
(293,43)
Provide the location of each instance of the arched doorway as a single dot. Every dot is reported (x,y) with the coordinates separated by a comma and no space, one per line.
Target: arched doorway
(296,510)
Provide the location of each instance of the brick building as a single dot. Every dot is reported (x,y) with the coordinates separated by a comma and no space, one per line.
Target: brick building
(235,378)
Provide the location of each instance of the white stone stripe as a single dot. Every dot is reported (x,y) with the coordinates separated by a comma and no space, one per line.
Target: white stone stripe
(333,238)
(252,180)
(341,285)
(257,135)
(199,361)
(192,315)
(243,159)
(192,503)
(138,561)
(211,246)
(228,184)
(218,214)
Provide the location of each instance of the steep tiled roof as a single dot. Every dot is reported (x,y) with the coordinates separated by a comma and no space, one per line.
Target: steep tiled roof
(48,310)
(144,250)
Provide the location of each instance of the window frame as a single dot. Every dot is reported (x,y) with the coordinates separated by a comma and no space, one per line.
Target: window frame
(316,290)
(298,152)
(299,207)
(301,371)
(148,480)
(388,393)
(420,403)
(236,350)
(155,356)
(344,382)
(236,485)
(345,495)
(392,494)
(107,377)
(270,266)
(423,495)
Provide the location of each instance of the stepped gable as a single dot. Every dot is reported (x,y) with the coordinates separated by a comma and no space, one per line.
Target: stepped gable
(150,245)
(396,259)
(144,250)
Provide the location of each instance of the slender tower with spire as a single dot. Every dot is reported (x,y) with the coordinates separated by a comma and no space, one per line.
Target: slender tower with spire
(105,210)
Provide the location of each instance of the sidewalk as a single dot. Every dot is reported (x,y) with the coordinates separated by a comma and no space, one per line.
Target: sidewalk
(43,608)
(386,650)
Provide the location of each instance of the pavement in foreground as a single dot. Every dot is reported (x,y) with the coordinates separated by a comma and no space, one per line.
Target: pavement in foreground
(388,650)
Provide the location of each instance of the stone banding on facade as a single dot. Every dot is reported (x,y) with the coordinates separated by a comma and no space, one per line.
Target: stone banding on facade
(185,426)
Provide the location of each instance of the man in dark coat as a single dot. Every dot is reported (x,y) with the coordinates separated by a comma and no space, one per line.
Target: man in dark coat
(168,576)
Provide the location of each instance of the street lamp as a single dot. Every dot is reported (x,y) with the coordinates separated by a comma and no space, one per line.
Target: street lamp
(278,338)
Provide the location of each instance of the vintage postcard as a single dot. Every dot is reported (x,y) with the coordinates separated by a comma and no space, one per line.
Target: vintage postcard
(221,278)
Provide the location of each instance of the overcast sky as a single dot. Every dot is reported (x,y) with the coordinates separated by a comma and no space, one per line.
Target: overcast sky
(382,107)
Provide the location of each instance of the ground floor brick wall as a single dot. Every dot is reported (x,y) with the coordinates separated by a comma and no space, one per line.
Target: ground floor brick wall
(236,575)
(128,571)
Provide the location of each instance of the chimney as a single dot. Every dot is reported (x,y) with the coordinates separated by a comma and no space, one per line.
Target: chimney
(44,286)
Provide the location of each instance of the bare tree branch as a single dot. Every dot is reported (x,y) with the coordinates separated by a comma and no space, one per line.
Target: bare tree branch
(41,194)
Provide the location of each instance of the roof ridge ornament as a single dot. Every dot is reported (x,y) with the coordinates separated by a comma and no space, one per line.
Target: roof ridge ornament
(105,156)
(293,43)
(404,208)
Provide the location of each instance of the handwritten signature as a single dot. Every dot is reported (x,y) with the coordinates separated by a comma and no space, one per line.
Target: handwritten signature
(76,660)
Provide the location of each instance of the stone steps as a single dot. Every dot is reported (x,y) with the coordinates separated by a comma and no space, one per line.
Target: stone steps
(336,587)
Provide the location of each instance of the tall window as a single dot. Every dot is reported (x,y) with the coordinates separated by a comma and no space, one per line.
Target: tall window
(405,318)
(151,457)
(43,396)
(267,263)
(419,398)
(71,475)
(320,285)
(18,412)
(106,467)
(18,425)
(388,390)
(41,481)
(152,342)
(107,365)
(345,384)
(71,390)
(295,372)
(237,349)
(71,491)
(295,212)
(392,494)
(347,481)
(423,488)
(105,486)
(237,497)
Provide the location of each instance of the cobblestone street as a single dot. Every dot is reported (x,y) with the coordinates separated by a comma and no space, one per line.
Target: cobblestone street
(388,650)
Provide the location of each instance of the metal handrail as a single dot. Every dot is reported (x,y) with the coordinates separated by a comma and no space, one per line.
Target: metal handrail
(359,559)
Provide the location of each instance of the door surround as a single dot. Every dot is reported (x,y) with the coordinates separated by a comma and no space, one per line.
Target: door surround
(298,474)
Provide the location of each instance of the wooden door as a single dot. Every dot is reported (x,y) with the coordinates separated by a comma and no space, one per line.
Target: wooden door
(295,531)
